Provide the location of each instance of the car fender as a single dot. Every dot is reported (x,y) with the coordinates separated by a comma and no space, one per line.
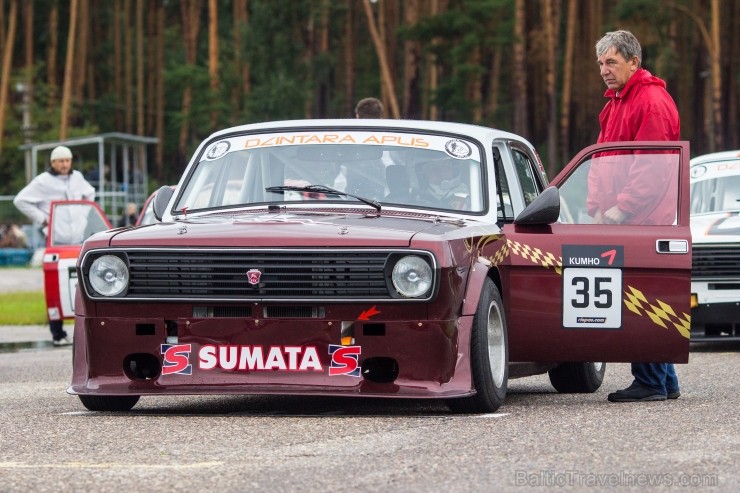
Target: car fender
(479,271)
(79,306)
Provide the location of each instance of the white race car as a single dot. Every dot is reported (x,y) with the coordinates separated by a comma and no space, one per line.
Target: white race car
(715,228)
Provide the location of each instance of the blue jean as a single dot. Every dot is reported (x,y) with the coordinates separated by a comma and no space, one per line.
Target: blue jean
(658,376)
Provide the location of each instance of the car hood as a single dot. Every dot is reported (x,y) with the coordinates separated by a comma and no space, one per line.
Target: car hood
(723,227)
(288,230)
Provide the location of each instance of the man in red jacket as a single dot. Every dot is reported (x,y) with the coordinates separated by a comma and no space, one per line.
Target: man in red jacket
(644,191)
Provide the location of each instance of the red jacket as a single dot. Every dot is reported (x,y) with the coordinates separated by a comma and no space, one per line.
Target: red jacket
(645,189)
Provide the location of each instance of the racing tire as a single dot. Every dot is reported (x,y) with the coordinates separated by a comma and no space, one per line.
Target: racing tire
(109,403)
(577,378)
(489,356)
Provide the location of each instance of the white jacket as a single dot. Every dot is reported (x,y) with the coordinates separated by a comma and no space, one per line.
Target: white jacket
(35,199)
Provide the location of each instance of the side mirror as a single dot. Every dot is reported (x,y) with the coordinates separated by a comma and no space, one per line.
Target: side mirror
(545,209)
(161,199)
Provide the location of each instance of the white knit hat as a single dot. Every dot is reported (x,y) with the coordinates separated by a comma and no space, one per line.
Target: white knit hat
(61,152)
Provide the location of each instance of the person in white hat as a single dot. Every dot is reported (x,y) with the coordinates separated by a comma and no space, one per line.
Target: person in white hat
(59,182)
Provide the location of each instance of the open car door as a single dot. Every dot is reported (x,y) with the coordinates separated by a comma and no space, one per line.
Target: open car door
(583,290)
(70,224)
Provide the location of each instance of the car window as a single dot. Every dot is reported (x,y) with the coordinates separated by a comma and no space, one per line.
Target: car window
(645,184)
(420,171)
(719,194)
(73,223)
(526,174)
(504,208)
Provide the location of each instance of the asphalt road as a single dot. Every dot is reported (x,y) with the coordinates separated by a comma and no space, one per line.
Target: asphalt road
(538,441)
(21,279)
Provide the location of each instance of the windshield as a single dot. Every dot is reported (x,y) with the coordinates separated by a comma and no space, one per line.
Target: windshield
(395,169)
(718,190)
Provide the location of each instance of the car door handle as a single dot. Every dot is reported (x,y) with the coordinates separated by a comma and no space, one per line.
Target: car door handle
(672,246)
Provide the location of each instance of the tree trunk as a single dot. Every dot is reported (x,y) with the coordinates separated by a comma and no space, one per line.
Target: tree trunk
(118,64)
(733,87)
(380,25)
(68,70)
(551,22)
(711,41)
(476,87)
(2,26)
(128,75)
(92,67)
(716,74)
(384,68)
(387,26)
(411,55)
(159,100)
(349,60)
(241,66)
(190,11)
(494,83)
(152,72)
(140,67)
(520,70)
(83,29)
(594,99)
(308,54)
(29,75)
(51,55)
(28,42)
(322,86)
(432,110)
(213,59)
(8,44)
(570,29)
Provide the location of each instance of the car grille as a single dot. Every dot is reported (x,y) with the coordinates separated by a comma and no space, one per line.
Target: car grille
(716,261)
(294,275)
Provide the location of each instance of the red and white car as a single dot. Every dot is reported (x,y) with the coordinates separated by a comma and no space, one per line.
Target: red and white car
(316,257)
(70,224)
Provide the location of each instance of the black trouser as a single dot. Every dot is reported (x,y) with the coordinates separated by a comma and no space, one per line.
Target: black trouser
(57,329)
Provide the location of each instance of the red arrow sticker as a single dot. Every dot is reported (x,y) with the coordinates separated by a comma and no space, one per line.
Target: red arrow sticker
(365,315)
(611,254)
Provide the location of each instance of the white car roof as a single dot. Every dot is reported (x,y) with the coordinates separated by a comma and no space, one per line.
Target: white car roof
(715,165)
(475,131)
(716,156)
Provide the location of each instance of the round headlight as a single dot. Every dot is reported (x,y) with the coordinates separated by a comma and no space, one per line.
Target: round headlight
(412,276)
(108,275)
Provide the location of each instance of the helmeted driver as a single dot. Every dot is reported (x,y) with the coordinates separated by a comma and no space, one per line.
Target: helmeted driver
(443,184)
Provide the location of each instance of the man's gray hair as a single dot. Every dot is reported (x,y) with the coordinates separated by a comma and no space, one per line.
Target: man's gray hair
(624,42)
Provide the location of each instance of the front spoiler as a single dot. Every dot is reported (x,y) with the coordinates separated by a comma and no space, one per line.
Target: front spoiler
(432,357)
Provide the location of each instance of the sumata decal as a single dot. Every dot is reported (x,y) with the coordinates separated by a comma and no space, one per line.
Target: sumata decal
(344,360)
(176,359)
(250,358)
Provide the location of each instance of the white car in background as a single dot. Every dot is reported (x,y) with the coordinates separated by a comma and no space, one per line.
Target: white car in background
(715,229)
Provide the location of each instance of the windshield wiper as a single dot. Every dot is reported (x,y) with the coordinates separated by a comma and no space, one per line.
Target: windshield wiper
(322,189)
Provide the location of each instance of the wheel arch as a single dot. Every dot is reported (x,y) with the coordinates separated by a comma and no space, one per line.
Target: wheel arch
(481,270)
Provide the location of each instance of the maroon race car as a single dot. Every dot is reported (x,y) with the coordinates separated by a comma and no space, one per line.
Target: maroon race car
(382,258)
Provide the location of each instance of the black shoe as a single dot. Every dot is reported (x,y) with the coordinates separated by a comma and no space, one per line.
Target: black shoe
(636,393)
(674,395)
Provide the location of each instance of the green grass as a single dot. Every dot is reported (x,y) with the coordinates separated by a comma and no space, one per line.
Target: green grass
(23,308)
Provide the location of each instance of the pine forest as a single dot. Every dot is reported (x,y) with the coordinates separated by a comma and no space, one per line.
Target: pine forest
(178,70)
